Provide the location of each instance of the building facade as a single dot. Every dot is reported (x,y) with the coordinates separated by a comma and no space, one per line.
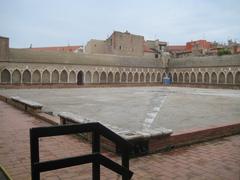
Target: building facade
(118,43)
(25,66)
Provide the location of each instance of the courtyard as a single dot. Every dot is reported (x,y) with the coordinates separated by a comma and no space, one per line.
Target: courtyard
(141,108)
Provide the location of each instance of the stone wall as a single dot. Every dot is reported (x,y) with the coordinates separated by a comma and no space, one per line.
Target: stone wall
(96,47)
(4,48)
(35,73)
(214,75)
(126,44)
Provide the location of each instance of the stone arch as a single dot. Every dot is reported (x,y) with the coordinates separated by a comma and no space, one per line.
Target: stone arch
(55,76)
(237,78)
(72,77)
(230,78)
(26,76)
(117,77)
(153,76)
(130,77)
(95,77)
(206,77)
(36,77)
(124,77)
(193,77)
(158,77)
(186,77)
(136,77)
(221,78)
(147,77)
(174,77)
(180,77)
(64,76)
(142,77)
(163,76)
(46,76)
(80,78)
(88,77)
(16,76)
(199,77)
(214,78)
(103,77)
(5,76)
(170,76)
(110,77)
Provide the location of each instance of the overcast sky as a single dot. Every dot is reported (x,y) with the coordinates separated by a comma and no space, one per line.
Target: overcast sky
(63,22)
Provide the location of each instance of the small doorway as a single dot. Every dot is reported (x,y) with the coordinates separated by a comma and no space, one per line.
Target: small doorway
(80,78)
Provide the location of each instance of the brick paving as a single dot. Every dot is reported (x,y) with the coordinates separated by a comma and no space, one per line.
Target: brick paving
(214,160)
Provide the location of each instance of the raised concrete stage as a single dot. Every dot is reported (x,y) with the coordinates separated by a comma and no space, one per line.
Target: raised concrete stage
(146,115)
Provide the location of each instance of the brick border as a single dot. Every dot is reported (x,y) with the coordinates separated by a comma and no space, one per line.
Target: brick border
(155,144)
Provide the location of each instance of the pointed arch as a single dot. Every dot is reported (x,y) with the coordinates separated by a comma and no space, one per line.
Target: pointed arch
(148,77)
(5,76)
(199,77)
(110,77)
(136,77)
(117,77)
(159,77)
(186,77)
(237,78)
(206,77)
(26,76)
(80,78)
(163,76)
(55,76)
(130,77)
(214,78)
(221,78)
(72,77)
(180,77)
(230,78)
(36,77)
(64,76)
(142,77)
(16,76)
(46,76)
(103,77)
(175,77)
(193,77)
(170,76)
(88,77)
(153,76)
(124,77)
(95,77)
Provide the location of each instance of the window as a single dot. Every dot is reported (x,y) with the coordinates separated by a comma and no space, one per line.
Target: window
(120,47)
(156,55)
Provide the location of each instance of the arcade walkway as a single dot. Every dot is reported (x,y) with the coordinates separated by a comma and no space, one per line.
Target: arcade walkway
(214,160)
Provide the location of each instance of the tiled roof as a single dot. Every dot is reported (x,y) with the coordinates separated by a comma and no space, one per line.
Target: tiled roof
(176,48)
(147,49)
(57,48)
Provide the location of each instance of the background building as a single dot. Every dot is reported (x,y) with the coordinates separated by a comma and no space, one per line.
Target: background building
(27,66)
(75,49)
(118,43)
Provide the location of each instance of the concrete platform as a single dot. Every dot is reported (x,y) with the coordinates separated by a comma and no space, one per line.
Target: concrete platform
(142,108)
(218,159)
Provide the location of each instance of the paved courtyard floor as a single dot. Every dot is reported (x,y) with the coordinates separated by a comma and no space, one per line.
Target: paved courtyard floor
(139,108)
(213,160)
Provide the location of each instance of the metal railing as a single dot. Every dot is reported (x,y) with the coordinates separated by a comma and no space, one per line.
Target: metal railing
(96,158)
